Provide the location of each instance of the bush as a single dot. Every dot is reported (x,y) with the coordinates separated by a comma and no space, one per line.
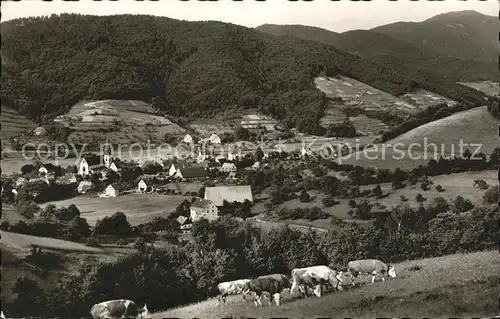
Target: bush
(420,199)
(93,242)
(329,201)
(439,188)
(491,195)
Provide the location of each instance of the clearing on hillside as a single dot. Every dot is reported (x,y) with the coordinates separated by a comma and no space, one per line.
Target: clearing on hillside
(13,124)
(460,285)
(22,241)
(139,208)
(475,128)
(488,87)
(129,121)
(423,99)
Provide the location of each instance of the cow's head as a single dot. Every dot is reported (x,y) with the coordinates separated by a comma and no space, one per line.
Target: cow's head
(392,271)
(143,313)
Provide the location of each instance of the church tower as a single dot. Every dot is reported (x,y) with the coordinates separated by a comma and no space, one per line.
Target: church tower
(107,154)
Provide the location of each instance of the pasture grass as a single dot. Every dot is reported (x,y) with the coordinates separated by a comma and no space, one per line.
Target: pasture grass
(454,285)
(139,208)
(475,127)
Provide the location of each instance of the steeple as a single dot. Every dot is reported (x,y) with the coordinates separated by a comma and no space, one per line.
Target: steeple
(107,147)
(106,152)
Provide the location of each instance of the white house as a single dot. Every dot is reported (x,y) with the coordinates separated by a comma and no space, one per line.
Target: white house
(172,170)
(188,139)
(185,223)
(202,208)
(84,187)
(228,167)
(214,139)
(110,191)
(219,194)
(142,186)
(40,131)
(256,165)
(91,165)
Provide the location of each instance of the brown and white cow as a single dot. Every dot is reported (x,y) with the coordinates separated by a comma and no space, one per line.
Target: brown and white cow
(315,277)
(373,267)
(120,308)
(270,284)
(234,287)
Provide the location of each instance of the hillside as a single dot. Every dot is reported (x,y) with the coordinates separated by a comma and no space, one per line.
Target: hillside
(424,288)
(466,35)
(13,124)
(186,69)
(386,46)
(474,127)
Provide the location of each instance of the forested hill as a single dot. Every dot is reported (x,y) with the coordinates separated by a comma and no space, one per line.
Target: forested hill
(187,69)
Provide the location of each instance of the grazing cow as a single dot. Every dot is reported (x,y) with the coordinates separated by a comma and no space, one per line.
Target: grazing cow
(270,284)
(315,277)
(2,315)
(370,266)
(231,288)
(120,308)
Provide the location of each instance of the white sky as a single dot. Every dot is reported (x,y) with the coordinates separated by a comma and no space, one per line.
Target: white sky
(336,16)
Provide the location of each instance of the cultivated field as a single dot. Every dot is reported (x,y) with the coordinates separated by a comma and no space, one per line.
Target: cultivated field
(487,87)
(21,241)
(139,208)
(473,127)
(463,285)
(129,121)
(423,99)
(13,125)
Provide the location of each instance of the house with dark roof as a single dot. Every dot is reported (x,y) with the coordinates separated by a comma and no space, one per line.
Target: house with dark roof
(185,223)
(191,173)
(219,194)
(202,208)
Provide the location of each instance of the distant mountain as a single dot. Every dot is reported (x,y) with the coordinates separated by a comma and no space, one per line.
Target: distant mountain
(186,69)
(467,35)
(389,45)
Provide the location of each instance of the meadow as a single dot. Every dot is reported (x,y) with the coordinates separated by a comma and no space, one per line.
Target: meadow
(139,208)
(460,285)
(474,128)
(453,185)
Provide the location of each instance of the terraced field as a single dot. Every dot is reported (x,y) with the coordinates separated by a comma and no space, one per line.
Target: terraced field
(13,124)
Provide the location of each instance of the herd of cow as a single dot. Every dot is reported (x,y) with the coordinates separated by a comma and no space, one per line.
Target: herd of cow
(314,278)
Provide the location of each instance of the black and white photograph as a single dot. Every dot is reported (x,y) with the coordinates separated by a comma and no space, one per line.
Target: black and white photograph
(250,159)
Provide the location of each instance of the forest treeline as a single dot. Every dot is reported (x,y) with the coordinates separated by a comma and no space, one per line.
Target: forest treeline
(186,69)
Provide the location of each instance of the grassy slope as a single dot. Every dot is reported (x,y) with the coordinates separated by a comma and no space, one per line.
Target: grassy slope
(13,123)
(474,126)
(139,208)
(456,285)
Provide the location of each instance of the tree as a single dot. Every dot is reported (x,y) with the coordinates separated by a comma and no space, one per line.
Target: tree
(403,198)
(77,229)
(241,133)
(419,198)
(377,191)
(352,203)
(491,195)
(49,211)
(363,210)
(439,188)
(304,197)
(30,298)
(460,204)
(67,213)
(481,184)
(329,201)
(259,154)
(28,209)
(116,224)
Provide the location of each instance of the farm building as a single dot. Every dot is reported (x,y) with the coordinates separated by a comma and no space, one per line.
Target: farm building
(228,167)
(185,223)
(142,186)
(111,191)
(40,131)
(191,173)
(212,166)
(84,187)
(202,208)
(188,139)
(172,170)
(214,139)
(68,178)
(219,194)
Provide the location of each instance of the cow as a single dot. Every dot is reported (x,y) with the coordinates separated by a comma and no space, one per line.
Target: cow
(2,315)
(270,284)
(120,308)
(370,266)
(315,277)
(231,288)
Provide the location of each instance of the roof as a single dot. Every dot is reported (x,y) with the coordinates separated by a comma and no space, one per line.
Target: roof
(67,178)
(193,172)
(94,160)
(229,193)
(85,185)
(183,220)
(213,164)
(228,165)
(201,203)
(40,129)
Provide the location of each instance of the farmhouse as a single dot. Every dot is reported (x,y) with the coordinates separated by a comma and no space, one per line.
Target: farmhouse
(84,187)
(188,139)
(40,131)
(68,178)
(142,186)
(185,223)
(214,139)
(111,191)
(219,194)
(228,167)
(202,208)
(191,173)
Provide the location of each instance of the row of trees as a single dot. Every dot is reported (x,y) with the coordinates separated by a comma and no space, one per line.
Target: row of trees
(227,249)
